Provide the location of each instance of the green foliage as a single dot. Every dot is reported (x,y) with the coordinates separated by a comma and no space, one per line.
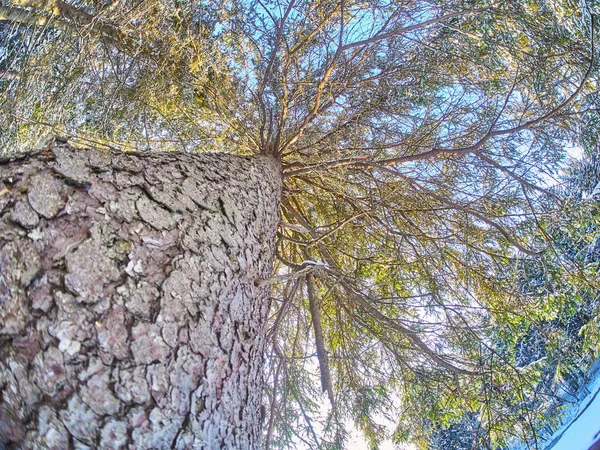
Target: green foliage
(420,143)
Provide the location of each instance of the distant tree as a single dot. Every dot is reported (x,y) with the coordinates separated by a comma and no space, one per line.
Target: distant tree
(563,341)
(416,142)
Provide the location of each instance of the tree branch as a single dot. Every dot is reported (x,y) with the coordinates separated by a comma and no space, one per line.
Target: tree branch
(315,315)
(364,302)
(365,161)
(380,36)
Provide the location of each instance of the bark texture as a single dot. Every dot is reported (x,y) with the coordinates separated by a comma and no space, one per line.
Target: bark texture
(130,313)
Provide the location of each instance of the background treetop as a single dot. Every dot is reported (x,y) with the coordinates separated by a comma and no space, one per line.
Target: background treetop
(420,143)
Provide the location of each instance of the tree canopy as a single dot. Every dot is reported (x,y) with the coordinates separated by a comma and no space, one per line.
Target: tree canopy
(423,237)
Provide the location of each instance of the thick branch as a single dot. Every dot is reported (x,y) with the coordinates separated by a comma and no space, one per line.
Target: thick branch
(27,17)
(57,14)
(322,355)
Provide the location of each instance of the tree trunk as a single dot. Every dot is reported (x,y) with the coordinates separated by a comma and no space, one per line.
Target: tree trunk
(130,311)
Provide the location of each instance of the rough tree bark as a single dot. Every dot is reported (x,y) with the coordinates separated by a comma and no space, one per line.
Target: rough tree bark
(130,313)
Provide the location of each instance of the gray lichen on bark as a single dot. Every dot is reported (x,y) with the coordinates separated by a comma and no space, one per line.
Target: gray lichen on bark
(130,316)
